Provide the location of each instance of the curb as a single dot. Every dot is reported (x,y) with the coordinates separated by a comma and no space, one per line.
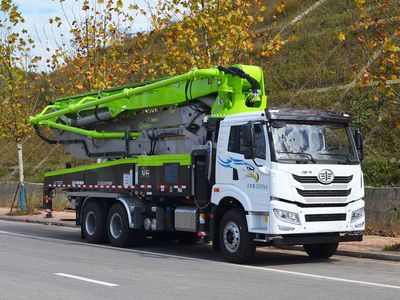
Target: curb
(357,254)
(370,255)
(27,220)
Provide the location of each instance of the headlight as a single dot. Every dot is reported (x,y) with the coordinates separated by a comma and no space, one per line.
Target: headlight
(357,214)
(287,216)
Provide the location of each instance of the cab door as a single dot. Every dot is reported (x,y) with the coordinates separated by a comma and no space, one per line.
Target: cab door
(250,175)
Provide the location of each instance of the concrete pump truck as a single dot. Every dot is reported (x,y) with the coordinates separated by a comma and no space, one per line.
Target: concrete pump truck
(199,156)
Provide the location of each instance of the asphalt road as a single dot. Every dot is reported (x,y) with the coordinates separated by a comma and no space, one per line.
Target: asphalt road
(48,262)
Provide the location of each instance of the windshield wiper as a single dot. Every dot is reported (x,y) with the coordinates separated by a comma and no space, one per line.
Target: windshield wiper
(311,158)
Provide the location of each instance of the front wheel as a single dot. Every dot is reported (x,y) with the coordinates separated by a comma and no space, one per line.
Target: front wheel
(321,251)
(236,243)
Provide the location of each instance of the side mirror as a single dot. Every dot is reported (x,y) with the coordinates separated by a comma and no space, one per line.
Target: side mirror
(358,138)
(248,140)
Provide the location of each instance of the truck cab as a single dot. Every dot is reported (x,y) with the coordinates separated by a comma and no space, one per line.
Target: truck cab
(295,174)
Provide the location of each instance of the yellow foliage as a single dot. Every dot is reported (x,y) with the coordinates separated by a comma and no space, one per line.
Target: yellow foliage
(360,3)
(378,32)
(19,88)
(390,94)
(341,36)
(293,37)
(281,7)
(99,56)
(216,33)
(392,47)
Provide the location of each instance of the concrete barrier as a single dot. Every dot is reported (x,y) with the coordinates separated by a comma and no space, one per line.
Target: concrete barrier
(382,209)
(382,205)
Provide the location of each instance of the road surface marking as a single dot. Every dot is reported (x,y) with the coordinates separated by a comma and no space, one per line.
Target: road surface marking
(86,279)
(381,285)
(323,277)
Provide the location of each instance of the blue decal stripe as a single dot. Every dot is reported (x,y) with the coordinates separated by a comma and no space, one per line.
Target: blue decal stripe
(237,162)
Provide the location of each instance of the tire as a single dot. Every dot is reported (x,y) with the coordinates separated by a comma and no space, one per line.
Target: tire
(236,243)
(94,223)
(321,251)
(118,231)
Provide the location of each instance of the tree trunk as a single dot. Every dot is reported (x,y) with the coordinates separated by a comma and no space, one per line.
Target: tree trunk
(20,164)
(21,177)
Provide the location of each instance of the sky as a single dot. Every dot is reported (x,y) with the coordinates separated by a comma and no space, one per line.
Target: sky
(38,12)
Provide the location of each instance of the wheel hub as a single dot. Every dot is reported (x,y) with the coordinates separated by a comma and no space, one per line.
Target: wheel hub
(90,223)
(231,237)
(116,226)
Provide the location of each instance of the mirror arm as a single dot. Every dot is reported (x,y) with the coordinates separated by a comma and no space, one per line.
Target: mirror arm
(253,144)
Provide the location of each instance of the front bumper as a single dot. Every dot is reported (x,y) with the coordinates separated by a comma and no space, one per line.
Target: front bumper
(301,239)
(278,227)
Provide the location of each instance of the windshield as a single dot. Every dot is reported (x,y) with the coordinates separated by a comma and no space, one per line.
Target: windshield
(329,143)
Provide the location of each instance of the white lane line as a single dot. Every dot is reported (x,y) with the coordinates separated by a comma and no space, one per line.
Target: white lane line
(324,277)
(86,279)
(381,285)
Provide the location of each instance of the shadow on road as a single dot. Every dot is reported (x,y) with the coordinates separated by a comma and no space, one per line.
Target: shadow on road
(265,256)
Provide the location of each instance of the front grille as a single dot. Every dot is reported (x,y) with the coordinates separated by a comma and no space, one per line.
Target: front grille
(314,179)
(316,203)
(325,217)
(324,193)
(325,199)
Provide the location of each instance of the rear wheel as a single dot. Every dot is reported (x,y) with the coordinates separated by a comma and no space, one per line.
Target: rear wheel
(94,223)
(119,233)
(321,251)
(236,242)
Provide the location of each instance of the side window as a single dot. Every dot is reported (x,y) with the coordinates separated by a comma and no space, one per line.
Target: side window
(236,141)
(260,148)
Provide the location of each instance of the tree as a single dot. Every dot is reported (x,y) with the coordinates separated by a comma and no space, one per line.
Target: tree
(202,33)
(98,56)
(378,30)
(18,90)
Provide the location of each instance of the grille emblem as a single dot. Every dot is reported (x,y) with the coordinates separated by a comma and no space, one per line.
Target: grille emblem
(325,176)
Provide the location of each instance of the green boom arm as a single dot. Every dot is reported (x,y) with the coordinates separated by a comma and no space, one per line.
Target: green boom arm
(233,87)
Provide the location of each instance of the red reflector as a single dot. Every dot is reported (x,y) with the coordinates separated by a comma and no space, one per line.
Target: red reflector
(217,190)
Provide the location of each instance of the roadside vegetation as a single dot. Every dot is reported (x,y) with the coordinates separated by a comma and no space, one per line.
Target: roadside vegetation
(394,247)
(341,55)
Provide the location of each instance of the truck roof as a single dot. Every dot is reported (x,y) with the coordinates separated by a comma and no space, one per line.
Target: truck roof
(294,114)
